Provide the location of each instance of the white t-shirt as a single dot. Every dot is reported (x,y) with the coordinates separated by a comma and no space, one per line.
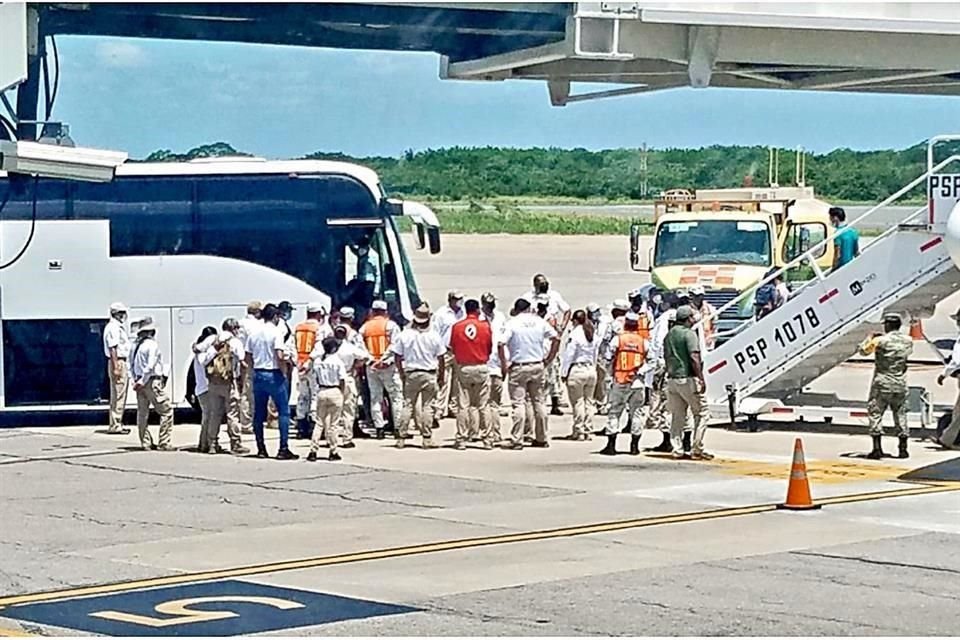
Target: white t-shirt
(526,338)
(328,371)
(350,352)
(263,345)
(444,319)
(199,366)
(148,362)
(115,335)
(556,305)
(498,326)
(579,351)
(420,350)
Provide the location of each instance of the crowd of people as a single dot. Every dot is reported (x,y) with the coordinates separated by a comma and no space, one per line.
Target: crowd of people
(639,365)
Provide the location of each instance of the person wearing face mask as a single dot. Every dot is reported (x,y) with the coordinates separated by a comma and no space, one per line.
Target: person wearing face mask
(116,348)
(557,316)
(600,323)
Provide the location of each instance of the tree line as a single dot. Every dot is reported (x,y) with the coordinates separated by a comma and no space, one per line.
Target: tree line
(462,173)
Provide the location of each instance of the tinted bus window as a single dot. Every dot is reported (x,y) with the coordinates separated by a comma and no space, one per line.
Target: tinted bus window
(148,215)
(51,197)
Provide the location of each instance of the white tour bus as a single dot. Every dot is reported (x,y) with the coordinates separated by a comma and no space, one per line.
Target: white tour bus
(188,244)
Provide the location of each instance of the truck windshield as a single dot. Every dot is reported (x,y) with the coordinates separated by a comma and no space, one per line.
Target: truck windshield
(712,242)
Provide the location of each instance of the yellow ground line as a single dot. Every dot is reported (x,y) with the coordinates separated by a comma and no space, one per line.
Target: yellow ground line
(16,633)
(448,545)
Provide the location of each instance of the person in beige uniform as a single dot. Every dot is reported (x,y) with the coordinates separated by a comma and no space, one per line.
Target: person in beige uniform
(150,383)
(116,348)
(354,356)
(419,353)
(221,361)
(329,382)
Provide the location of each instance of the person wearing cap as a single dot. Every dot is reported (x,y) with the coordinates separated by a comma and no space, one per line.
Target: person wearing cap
(345,318)
(150,383)
(626,357)
(498,326)
(707,316)
(557,316)
(329,382)
(444,318)
(610,330)
(598,402)
(890,351)
(354,357)
(657,413)
(307,335)
(419,353)
(471,343)
(249,325)
(578,370)
(266,353)
(525,355)
(686,386)
(223,386)
(379,333)
(116,349)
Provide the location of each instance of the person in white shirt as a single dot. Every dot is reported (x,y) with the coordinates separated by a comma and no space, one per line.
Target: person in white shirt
(525,338)
(329,382)
(948,439)
(578,370)
(150,383)
(557,316)
(498,324)
(267,355)
(248,326)
(420,356)
(201,388)
(222,361)
(657,414)
(610,330)
(354,356)
(116,349)
(600,323)
(443,319)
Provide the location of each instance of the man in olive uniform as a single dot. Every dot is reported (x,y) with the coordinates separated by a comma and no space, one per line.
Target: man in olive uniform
(889,387)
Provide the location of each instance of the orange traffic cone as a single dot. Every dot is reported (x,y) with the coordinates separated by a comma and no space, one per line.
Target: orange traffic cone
(916,329)
(798,491)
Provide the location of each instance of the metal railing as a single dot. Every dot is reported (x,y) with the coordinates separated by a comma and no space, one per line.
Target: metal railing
(809,254)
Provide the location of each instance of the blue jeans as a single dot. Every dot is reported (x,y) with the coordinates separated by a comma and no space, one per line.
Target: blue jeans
(269,384)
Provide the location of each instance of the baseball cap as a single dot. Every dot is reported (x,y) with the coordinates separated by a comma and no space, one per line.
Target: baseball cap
(593,307)
(146,324)
(684,313)
(488,298)
(455,294)
(697,290)
(892,316)
(285,306)
(316,307)
(379,305)
(635,293)
(632,317)
(118,307)
(346,312)
(620,304)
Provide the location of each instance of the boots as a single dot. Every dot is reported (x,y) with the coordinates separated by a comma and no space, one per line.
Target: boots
(877,452)
(611,448)
(634,445)
(687,442)
(903,448)
(555,406)
(665,446)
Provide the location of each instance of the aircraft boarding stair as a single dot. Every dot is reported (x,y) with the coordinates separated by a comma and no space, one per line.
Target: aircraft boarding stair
(907,270)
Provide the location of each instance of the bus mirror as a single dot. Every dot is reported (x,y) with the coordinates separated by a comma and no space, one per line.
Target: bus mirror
(419,236)
(639,259)
(433,236)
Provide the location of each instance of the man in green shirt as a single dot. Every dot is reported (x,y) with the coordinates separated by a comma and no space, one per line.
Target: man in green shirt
(685,386)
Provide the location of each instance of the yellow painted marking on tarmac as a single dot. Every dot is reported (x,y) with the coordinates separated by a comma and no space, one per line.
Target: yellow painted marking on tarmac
(453,545)
(818,471)
(16,633)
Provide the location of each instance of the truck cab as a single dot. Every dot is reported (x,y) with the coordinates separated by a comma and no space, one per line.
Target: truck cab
(726,240)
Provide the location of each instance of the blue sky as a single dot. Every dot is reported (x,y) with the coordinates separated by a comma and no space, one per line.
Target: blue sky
(140,95)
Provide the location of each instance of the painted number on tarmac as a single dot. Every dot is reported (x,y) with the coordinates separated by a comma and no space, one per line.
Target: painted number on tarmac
(179,611)
(784,334)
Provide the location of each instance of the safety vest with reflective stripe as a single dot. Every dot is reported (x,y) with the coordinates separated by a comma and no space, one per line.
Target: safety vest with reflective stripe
(629,356)
(305,337)
(643,326)
(375,337)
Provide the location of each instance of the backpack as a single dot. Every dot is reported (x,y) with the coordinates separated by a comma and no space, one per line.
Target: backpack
(220,369)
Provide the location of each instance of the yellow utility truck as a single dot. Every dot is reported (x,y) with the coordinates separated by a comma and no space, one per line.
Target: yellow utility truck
(726,240)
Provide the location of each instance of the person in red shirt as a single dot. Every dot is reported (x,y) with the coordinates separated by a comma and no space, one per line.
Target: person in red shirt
(471,342)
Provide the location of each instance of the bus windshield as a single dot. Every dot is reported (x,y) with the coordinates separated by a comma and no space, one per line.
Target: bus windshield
(744,242)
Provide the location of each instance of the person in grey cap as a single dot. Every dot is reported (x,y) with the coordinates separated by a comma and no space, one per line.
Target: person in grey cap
(116,348)
(686,386)
(889,386)
(443,319)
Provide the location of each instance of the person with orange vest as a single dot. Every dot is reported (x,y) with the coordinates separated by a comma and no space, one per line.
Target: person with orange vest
(306,336)
(471,342)
(627,355)
(378,333)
